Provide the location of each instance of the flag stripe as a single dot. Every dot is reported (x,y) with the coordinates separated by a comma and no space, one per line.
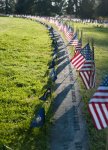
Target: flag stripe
(78,61)
(103,88)
(96,112)
(85,77)
(103,107)
(102,119)
(94,116)
(99,100)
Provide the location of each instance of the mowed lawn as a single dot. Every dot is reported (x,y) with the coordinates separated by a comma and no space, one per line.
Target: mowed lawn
(25,50)
(100,37)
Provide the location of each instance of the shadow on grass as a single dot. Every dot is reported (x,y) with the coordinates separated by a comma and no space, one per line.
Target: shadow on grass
(37,138)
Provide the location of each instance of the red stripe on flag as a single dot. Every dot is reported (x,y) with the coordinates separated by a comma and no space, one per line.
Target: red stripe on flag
(104,115)
(104,97)
(97,114)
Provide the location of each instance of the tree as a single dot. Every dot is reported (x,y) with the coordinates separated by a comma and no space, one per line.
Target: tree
(10,6)
(87,8)
(70,7)
(59,7)
(20,9)
(102,9)
(7,6)
(74,7)
(43,7)
(2,6)
(34,7)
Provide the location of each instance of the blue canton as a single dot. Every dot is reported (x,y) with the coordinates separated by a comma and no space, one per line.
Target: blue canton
(105,81)
(87,52)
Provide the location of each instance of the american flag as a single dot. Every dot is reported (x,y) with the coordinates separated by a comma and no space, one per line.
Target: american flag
(64,28)
(61,27)
(98,105)
(78,60)
(87,72)
(68,33)
(78,46)
(74,40)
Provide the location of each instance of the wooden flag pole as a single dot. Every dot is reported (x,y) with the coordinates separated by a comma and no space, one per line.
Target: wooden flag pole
(78,32)
(88,39)
(81,36)
(107,139)
(92,43)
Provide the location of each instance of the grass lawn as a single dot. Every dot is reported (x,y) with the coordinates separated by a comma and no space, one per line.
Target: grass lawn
(25,50)
(100,36)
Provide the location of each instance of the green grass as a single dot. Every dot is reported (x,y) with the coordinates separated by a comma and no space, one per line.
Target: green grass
(100,36)
(25,50)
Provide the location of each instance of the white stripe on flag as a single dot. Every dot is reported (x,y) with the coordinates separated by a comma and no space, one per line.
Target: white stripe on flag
(85,81)
(103,88)
(101,116)
(101,93)
(94,116)
(105,110)
(99,100)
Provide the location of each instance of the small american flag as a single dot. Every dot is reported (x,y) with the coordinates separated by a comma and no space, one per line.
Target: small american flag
(87,72)
(74,40)
(65,28)
(68,34)
(98,105)
(78,46)
(61,27)
(78,60)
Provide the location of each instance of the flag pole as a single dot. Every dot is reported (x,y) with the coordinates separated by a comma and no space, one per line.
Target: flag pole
(88,39)
(81,36)
(78,32)
(107,139)
(92,43)
(94,85)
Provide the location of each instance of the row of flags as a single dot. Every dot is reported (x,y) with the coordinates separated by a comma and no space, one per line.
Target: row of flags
(39,118)
(84,63)
(83,59)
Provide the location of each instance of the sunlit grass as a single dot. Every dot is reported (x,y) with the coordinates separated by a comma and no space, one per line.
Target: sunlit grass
(25,50)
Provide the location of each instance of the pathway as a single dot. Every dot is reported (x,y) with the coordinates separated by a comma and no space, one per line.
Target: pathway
(69,128)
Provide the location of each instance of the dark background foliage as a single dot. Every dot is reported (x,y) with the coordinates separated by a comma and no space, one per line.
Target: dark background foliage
(78,8)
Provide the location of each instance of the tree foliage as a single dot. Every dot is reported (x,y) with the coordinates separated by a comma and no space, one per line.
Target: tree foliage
(2,6)
(7,6)
(79,8)
(102,9)
(86,8)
